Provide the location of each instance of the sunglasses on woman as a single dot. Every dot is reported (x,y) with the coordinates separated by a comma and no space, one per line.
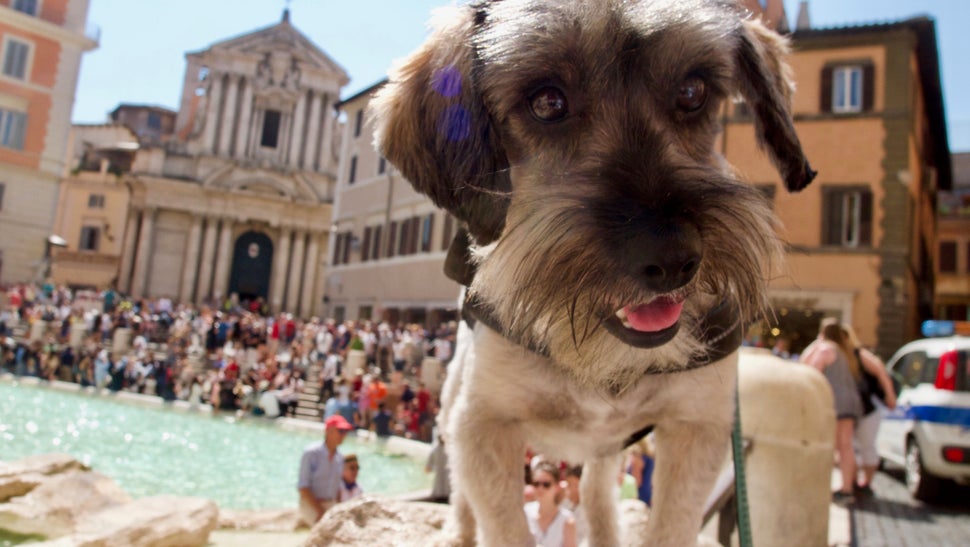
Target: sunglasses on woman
(542,484)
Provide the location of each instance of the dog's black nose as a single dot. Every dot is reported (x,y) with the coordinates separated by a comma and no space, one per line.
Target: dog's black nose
(670,258)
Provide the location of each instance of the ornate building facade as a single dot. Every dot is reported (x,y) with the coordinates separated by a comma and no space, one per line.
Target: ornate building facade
(237,200)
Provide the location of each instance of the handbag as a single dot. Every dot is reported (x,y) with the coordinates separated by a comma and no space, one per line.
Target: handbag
(868,386)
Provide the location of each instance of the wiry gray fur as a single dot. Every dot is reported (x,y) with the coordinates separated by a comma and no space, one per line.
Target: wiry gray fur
(560,214)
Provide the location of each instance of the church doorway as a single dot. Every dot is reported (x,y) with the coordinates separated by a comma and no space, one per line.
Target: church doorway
(252,263)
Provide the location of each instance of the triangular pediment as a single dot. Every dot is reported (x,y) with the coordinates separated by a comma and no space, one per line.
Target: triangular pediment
(261,182)
(282,37)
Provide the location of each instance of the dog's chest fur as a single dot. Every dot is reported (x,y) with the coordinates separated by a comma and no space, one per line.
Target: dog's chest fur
(562,418)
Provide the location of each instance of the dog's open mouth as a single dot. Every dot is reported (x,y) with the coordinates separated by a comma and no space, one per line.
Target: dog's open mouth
(649,324)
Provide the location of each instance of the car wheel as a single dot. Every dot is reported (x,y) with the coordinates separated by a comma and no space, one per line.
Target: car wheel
(921,484)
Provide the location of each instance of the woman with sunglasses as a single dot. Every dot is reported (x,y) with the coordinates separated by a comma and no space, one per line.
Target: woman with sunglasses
(550,524)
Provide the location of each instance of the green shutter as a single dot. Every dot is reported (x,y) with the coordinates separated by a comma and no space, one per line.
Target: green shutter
(831,217)
(868,87)
(825,93)
(865,218)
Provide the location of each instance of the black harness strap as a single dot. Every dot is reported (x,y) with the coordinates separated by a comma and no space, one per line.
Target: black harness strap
(721,328)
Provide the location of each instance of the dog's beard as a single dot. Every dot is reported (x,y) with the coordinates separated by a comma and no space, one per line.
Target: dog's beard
(551,282)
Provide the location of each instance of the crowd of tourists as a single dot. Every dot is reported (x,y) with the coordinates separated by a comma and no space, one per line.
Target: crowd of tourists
(230,356)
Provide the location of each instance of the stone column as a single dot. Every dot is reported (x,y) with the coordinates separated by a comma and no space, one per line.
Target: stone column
(228,117)
(310,275)
(143,258)
(128,253)
(212,113)
(296,136)
(279,269)
(245,115)
(311,144)
(283,144)
(190,264)
(254,133)
(222,262)
(788,413)
(208,256)
(326,154)
(296,272)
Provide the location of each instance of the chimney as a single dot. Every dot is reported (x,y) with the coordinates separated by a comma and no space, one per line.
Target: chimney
(803,22)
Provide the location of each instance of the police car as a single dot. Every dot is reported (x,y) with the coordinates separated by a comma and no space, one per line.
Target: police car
(928,433)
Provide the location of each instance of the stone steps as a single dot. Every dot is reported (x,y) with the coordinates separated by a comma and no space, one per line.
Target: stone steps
(307,408)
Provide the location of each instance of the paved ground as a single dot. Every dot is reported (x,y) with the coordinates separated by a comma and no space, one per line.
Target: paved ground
(892,518)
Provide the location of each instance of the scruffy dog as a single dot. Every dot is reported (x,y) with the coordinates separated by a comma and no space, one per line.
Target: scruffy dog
(612,255)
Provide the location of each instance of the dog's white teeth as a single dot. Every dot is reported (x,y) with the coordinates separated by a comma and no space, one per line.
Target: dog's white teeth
(621,315)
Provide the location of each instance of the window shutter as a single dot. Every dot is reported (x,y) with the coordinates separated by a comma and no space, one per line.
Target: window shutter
(376,246)
(346,249)
(825,94)
(865,218)
(365,247)
(948,257)
(446,237)
(337,245)
(831,218)
(868,87)
(413,235)
(402,248)
(391,234)
(426,243)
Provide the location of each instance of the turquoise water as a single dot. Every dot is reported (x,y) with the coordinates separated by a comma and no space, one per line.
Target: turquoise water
(247,464)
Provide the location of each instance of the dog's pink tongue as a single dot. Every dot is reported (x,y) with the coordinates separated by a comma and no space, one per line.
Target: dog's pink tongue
(657,315)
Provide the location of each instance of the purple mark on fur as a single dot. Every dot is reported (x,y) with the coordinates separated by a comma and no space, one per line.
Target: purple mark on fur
(447,81)
(455,123)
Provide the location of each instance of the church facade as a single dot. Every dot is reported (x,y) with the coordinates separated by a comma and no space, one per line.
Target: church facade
(236,200)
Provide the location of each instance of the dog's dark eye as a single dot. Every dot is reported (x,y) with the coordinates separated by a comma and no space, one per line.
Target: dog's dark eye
(548,104)
(692,94)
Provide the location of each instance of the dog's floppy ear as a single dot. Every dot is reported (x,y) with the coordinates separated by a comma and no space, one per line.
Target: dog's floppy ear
(766,83)
(432,124)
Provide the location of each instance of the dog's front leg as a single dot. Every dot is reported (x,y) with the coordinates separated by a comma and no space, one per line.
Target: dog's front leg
(488,472)
(691,448)
(597,489)
(688,459)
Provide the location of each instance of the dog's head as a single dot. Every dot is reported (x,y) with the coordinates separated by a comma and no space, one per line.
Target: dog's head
(578,143)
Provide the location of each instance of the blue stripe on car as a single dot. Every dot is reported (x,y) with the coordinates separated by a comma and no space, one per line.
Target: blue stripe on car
(936,414)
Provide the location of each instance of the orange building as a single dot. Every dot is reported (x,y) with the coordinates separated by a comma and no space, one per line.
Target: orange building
(93,206)
(952,297)
(41,43)
(862,237)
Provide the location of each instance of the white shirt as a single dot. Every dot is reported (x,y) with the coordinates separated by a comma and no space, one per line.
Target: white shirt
(553,535)
(347,494)
(329,371)
(324,341)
